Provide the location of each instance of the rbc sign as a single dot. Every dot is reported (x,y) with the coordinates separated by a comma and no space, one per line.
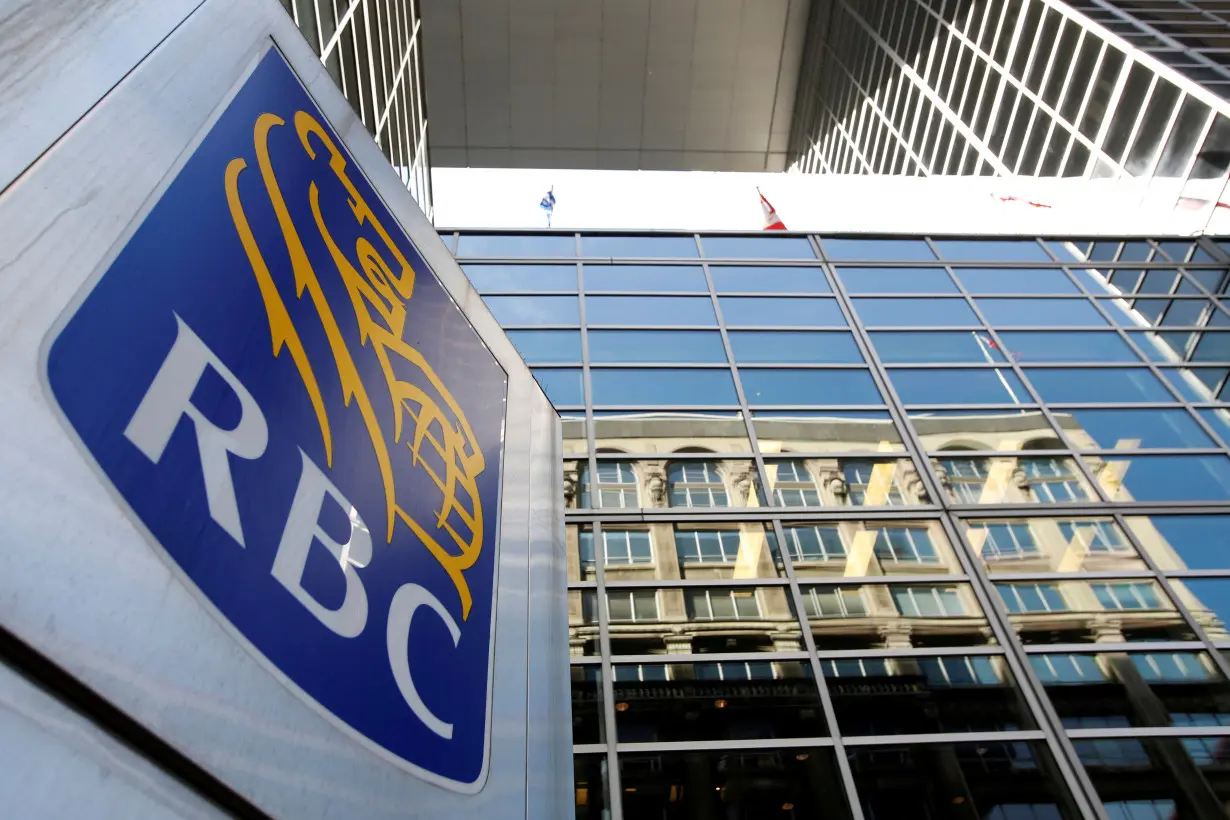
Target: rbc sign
(307,428)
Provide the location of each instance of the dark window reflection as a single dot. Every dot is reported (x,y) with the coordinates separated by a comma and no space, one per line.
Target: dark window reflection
(590,788)
(719,700)
(1173,778)
(1139,688)
(991,780)
(745,784)
(952,693)
(587,722)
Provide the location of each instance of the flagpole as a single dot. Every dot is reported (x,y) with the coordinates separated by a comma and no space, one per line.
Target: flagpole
(991,360)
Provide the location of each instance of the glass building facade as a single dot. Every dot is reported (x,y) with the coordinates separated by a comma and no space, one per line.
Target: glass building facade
(1021,87)
(887,526)
(373,51)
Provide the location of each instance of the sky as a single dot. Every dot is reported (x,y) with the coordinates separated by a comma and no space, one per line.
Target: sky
(693,200)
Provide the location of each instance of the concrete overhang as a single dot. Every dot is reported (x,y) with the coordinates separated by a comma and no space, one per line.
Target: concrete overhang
(612,84)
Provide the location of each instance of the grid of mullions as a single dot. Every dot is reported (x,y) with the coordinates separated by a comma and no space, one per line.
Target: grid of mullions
(1023,87)
(1002,592)
(372,50)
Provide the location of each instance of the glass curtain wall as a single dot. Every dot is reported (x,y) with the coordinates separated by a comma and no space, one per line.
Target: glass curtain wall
(373,51)
(856,524)
(1020,87)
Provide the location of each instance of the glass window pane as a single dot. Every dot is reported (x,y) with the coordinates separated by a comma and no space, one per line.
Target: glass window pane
(562,386)
(515,245)
(1209,601)
(1086,689)
(1059,346)
(757,247)
(644,278)
(1012,480)
(590,788)
(721,551)
(1131,429)
(665,431)
(753,613)
(656,346)
(936,346)
(534,310)
(972,250)
(809,387)
(789,347)
(1139,779)
(896,280)
(739,279)
(649,310)
(1197,383)
(665,386)
(1052,545)
(547,345)
(992,780)
(1212,347)
(917,312)
(492,278)
(849,549)
(743,783)
(639,247)
(970,429)
(877,250)
(852,616)
(1015,280)
(926,695)
(1078,384)
(1163,478)
(784,431)
(1040,312)
(1219,419)
(1184,541)
(770,311)
(720,700)
(844,482)
(983,386)
(1063,611)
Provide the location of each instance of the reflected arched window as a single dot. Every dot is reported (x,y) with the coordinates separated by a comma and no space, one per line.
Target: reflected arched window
(696,484)
(1053,479)
(617,485)
(965,478)
(793,485)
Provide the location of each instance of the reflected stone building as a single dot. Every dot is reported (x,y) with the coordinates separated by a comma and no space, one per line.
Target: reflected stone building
(887,526)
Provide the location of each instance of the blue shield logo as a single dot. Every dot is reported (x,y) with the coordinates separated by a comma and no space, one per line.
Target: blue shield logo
(305,424)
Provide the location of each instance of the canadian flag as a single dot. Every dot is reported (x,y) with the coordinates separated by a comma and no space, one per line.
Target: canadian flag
(772,222)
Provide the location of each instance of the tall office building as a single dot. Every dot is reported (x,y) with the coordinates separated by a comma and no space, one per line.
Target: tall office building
(887,526)
(373,50)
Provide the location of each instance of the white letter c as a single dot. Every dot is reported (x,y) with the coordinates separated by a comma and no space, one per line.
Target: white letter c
(406,602)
